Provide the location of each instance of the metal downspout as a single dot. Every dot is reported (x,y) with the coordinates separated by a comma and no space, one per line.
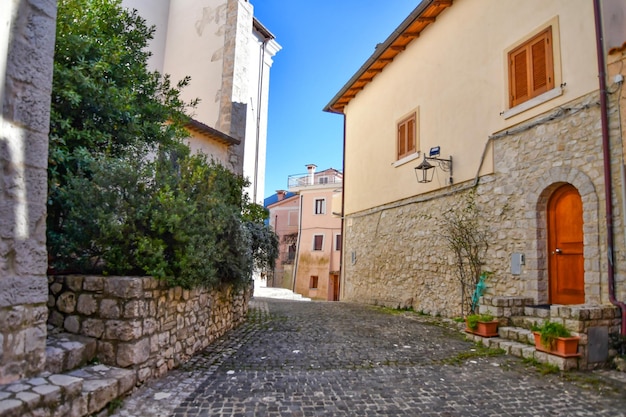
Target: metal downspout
(298,241)
(258,119)
(343,210)
(606,150)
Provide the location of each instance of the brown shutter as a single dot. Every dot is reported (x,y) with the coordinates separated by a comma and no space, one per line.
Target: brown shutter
(541,66)
(410,147)
(401,140)
(317,242)
(531,68)
(406,137)
(519,77)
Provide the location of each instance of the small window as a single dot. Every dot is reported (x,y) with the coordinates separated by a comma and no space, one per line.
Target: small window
(531,68)
(318,242)
(320,206)
(406,137)
(291,254)
(323,180)
(337,242)
(313,282)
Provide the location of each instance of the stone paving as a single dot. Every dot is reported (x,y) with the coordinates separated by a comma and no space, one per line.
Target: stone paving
(339,359)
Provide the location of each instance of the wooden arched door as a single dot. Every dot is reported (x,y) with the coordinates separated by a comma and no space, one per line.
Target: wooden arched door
(565,247)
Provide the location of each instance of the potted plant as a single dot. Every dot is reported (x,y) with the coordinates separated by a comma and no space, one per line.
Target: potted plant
(554,338)
(482,325)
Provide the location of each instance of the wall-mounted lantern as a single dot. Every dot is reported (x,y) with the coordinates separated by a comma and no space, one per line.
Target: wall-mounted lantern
(422,170)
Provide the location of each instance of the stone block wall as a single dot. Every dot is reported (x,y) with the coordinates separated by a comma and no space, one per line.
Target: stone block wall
(396,255)
(142,324)
(27,36)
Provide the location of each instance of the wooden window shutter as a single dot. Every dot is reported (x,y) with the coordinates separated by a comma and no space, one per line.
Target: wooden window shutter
(410,134)
(401,140)
(406,137)
(541,65)
(318,242)
(531,68)
(519,77)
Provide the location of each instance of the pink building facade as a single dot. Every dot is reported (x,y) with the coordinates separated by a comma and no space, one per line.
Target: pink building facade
(318,258)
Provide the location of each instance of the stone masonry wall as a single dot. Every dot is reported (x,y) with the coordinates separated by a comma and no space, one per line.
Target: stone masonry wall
(395,255)
(142,324)
(27,36)
(234,93)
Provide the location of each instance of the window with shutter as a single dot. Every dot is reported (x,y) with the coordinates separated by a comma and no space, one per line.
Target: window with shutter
(531,68)
(407,143)
(318,242)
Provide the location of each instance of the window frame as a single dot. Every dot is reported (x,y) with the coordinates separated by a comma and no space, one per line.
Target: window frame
(338,242)
(322,206)
(314,281)
(321,245)
(529,61)
(404,148)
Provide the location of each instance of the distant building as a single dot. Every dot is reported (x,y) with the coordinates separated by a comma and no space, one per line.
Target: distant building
(284,218)
(309,227)
(228,55)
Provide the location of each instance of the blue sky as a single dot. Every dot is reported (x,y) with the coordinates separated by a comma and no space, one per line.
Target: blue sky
(324,43)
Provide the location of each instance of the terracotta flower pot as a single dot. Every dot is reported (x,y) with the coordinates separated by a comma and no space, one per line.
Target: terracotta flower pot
(484,328)
(565,347)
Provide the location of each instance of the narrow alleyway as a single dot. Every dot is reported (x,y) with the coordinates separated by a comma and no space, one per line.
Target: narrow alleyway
(336,359)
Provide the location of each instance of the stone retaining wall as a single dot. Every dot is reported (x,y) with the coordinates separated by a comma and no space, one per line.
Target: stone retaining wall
(142,324)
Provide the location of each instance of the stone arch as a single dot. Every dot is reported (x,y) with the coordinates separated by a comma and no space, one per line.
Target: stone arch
(537,198)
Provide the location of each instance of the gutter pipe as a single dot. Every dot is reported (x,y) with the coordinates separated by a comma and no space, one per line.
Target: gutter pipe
(608,187)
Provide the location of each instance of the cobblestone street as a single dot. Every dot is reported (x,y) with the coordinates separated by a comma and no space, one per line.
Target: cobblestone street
(336,359)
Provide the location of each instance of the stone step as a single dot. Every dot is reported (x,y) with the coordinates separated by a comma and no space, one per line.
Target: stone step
(65,352)
(524,350)
(526,322)
(103,384)
(517,334)
(83,392)
(539,312)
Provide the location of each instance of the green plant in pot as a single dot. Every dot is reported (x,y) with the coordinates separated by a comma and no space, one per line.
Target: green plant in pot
(482,324)
(554,337)
(473,319)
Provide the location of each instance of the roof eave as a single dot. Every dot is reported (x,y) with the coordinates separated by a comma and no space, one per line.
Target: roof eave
(215,134)
(381,49)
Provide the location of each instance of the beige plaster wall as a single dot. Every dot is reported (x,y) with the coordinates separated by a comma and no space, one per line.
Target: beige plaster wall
(455,76)
(214,150)
(156,14)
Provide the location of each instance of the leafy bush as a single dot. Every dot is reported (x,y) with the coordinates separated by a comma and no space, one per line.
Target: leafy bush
(179,221)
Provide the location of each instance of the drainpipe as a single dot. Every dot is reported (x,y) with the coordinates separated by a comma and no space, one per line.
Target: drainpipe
(606,150)
(298,242)
(343,211)
(258,118)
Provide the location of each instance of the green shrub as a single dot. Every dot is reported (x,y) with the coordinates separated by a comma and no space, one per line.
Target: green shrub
(177,218)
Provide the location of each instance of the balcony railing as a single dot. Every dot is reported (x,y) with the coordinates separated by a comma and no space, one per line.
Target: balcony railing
(308,180)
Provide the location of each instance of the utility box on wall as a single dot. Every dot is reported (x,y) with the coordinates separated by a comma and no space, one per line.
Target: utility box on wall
(517,261)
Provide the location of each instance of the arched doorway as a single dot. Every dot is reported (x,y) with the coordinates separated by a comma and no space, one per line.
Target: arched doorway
(565,247)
